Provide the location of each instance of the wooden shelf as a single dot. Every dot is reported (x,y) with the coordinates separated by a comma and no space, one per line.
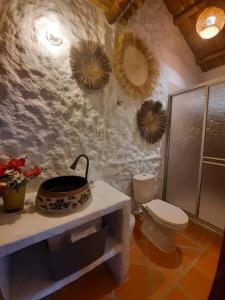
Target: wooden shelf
(30,278)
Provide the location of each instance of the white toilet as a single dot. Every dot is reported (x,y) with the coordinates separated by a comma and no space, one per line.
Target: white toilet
(162,221)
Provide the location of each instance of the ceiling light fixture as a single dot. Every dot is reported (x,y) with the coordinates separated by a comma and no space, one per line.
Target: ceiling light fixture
(210,22)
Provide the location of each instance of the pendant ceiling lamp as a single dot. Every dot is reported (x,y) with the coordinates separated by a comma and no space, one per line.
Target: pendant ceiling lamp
(210,22)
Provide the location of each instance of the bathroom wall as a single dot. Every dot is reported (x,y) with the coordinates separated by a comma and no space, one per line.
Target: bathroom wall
(46,114)
(214,73)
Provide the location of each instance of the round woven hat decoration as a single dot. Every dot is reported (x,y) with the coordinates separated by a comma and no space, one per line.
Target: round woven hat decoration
(151,121)
(90,65)
(135,66)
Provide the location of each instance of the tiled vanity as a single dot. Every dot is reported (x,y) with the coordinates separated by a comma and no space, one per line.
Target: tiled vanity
(24,276)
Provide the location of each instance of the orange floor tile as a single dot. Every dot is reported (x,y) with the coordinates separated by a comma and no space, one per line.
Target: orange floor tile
(177,294)
(186,274)
(196,284)
(207,263)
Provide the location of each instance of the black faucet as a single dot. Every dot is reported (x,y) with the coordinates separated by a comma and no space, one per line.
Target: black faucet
(74,164)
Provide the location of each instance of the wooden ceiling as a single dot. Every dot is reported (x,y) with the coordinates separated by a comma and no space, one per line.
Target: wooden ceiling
(210,53)
(118,10)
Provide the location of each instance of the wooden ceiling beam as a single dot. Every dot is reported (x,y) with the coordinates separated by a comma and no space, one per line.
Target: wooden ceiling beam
(118,10)
(136,4)
(191,10)
(211,57)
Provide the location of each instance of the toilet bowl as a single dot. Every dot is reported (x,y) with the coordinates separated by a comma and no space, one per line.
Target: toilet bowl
(162,220)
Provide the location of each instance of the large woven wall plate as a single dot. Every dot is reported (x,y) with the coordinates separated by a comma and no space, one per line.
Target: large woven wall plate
(90,65)
(135,66)
(151,120)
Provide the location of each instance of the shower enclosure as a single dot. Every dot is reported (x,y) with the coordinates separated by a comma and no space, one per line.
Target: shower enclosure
(195,153)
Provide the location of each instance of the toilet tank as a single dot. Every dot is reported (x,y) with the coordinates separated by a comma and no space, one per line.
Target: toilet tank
(143,187)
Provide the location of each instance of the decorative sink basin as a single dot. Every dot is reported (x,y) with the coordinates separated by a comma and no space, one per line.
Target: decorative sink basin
(64,194)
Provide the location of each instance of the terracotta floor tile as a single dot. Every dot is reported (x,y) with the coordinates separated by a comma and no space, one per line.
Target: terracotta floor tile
(137,286)
(196,284)
(170,260)
(96,285)
(158,283)
(189,257)
(161,281)
(137,234)
(198,234)
(207,263)
(215,246)
(132,242)
(177,294)
(142,244)
(137,256)
(184,241)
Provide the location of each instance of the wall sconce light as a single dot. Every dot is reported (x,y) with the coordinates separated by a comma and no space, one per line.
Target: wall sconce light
(210,22)
(53,34)
(52,37)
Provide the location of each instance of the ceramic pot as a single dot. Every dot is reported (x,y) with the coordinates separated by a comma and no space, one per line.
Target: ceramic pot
(64,194)
(13,199)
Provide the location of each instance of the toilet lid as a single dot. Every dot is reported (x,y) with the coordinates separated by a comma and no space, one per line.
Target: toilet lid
(167,212)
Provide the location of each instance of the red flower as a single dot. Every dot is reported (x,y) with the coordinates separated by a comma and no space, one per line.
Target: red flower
(28,174)
(16,164)
(22,161)
(2,169)
(36,171)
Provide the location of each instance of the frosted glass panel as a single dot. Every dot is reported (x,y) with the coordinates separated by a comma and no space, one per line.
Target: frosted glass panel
(212,201)
(185,148)
(215,129)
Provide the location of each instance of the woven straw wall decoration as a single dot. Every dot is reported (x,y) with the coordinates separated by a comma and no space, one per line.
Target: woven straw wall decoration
(151,120)
(135,66)
(90,65)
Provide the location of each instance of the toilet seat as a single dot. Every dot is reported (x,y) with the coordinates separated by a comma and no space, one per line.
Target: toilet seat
(167,214)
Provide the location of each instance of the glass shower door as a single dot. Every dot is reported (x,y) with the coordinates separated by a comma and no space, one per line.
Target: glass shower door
(212,197)
(185,146)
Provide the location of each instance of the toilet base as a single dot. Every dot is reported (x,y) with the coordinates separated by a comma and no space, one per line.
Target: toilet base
(163,238)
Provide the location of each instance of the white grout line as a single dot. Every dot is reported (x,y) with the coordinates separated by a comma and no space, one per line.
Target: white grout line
(197,243)
(188,247)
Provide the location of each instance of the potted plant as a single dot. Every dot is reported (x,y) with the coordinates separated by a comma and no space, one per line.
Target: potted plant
(13,180)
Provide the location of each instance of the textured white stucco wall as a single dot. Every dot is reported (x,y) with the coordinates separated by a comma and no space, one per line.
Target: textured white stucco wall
(45,113)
